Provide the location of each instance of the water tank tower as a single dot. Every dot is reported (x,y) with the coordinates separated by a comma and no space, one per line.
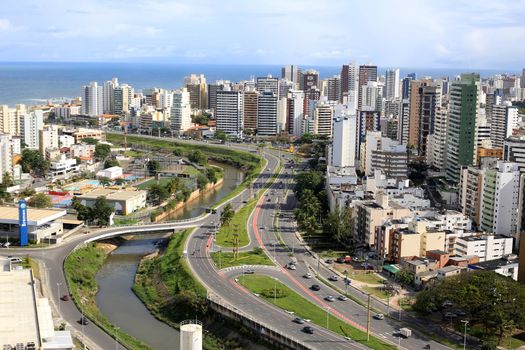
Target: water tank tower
(191,335)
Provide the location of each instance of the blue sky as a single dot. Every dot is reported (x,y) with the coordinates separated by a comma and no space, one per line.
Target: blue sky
(405,33)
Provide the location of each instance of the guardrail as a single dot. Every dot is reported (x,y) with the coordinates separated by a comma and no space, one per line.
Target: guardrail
(270,333)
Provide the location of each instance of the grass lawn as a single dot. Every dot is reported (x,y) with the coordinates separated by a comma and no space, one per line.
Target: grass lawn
(245,258)
(371,278)
(376,291)
(190,170)
(291,301)
(145,185)
(133,153)
(225,235)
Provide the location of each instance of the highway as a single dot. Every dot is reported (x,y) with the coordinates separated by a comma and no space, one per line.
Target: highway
(222,284)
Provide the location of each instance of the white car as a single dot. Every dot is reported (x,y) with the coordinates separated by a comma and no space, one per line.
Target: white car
(308,275)
(329,298)
(379,316)
(333,278)
(292,267)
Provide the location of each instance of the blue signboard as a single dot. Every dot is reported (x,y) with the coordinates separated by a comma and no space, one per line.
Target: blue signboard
(22,223)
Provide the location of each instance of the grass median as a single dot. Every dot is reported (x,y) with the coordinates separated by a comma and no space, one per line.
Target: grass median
(81,268)
(253,257)
(289,300)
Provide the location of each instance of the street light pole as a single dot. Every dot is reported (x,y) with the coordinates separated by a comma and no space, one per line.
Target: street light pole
(465,322)
(58,293)
(116,337)
(368,320)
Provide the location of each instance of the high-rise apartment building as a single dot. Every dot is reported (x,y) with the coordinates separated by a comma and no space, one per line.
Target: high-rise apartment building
(414,113)
(505,118)
(198,90)
(522,80)
(296,107)
(6,155)
(122,97)
(323,117)
(48,138)
(430,104)
(108,99)
(310,80)
(229,112)
(250,109)
(392,87)
(349,84)
(437,141)
(10,119)
(371,96)
(30,126)
(267,114)
(92,99)
(268,83)
(367,73)
(461,136)
(180,114)
(292,73)
(333,88)
(366,121)
(343,150)
(284,87)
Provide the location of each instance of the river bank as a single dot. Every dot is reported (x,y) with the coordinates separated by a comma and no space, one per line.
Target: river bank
(164,284)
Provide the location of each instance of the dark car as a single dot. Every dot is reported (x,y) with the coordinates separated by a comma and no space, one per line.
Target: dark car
(249,272)
(65,297)
(84,321)
(315,287)
(329,261)
(308,330)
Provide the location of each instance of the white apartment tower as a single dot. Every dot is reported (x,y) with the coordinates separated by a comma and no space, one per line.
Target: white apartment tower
(30,126)
(323,118)
(109,87)
(504,119)
(6,155)
(48,138)
(344,141)
(229,112)
(295,112)
(92,99)
(267,114)
(180,111)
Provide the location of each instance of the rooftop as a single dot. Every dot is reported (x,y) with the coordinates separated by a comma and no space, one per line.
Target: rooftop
(18,317)
(112,194)
(494,264)
(35,217)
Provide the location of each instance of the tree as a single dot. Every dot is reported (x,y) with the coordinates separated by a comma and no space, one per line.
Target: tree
(40,200)
(495,304)
(202,181)
(7,180)
(101,211)
(153,167)
(102,151)
(405,277)
(200,119)
(308,212)
(111,163)
(227,214)
(213,174)
(104,181)
(198,157)
(90,141)
(158,193)
(339,225)
(33,161)
(221,135)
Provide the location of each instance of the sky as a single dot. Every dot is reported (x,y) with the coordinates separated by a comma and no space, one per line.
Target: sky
(404,33)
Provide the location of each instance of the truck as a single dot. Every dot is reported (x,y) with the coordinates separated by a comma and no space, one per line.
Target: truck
(404,332)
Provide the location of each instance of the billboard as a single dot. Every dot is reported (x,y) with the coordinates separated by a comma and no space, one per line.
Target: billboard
(22,222)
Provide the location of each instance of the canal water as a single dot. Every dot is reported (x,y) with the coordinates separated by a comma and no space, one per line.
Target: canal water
(115,298)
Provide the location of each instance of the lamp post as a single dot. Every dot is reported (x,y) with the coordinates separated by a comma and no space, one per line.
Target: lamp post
(58,293)
(116,337)
(465,322)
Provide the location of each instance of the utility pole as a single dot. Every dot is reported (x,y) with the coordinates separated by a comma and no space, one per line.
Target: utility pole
(368,320)
(465,322)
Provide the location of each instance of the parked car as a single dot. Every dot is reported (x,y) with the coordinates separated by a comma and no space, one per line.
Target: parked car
(329,261)
(329,298)
(298,320)
(333,278)
(315,287)
(379,316)
(15,260)
(308,330)
(340,260)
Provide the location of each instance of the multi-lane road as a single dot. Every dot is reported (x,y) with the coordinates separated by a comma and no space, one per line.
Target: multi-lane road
(222,283)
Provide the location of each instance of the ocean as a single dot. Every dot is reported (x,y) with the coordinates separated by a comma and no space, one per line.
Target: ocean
(35,83)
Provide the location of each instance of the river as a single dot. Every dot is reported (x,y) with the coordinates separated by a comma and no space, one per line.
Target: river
(115,298)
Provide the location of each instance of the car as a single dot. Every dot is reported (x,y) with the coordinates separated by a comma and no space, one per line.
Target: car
(308,330)
(15,260)
(292,267)
(298,320)
(340,260)
(308,275)
(379,316)
(315,287)
(333,278)
(83,321)
(248,272)
(450,315)
(329,261)
(329,298)
(342,298)
(65,297)
(269,200)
